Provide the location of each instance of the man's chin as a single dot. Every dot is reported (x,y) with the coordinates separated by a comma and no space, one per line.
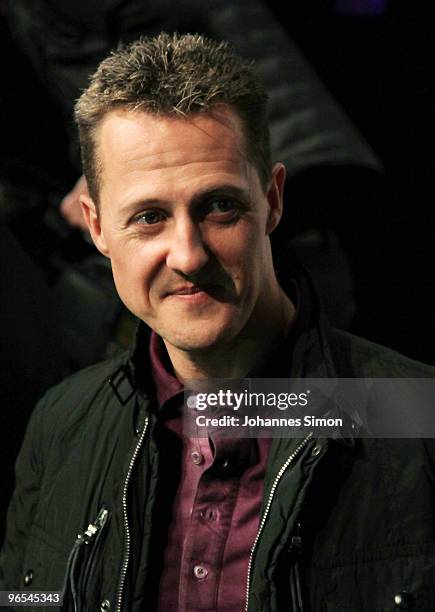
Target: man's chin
(196,342)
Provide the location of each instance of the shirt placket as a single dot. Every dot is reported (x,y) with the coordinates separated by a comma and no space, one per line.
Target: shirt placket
(207,529)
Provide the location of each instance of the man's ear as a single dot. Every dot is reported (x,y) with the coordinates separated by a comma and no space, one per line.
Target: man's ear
(92,219)
(275,196)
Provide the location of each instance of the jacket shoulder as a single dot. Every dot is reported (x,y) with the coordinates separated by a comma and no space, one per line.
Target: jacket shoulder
(360,358)
(83,386)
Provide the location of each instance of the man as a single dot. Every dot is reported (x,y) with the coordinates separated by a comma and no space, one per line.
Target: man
(183,198)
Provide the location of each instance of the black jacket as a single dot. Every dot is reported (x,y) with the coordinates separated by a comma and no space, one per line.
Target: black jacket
(344,528)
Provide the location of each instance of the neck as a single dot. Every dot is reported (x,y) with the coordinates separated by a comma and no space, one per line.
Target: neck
(238,357)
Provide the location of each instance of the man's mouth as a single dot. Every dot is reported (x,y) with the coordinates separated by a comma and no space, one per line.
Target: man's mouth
(196,294)
(187,290)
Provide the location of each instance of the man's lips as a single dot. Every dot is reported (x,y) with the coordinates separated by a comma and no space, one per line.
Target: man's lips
(199,292)
(188,290)
(196,293)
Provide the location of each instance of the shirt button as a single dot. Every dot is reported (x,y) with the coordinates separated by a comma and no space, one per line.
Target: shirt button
(200,571)
(197,457)
(404,600)
(210,515)
(28,577)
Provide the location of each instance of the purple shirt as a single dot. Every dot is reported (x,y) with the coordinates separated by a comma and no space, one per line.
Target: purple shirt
(216,510)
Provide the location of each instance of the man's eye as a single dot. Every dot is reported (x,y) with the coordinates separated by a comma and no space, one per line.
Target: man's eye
(222,206)
(151,217)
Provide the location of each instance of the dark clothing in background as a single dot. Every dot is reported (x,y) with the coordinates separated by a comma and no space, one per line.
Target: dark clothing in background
(29,357)
(66,41)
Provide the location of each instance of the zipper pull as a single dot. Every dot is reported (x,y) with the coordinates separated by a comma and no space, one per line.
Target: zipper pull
(296,540)
(295,549)
(83,538)
(93,528)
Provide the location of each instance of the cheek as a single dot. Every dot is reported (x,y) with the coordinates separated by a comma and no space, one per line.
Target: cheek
(244,251)
(233,244)
(131,266)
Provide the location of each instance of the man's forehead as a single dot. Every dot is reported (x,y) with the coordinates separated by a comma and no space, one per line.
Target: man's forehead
(144,157)
(131,136)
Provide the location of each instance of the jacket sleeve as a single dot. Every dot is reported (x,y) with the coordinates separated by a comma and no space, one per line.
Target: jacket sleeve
(28,477)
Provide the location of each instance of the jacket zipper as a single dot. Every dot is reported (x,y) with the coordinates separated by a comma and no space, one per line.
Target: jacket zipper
(280,474)
(127,536)
(92,533)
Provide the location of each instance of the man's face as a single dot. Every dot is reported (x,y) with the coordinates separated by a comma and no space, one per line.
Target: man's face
(185,222)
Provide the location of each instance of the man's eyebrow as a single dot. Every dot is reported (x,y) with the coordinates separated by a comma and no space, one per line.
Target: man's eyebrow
(237,193)
(198,198)
(137,205)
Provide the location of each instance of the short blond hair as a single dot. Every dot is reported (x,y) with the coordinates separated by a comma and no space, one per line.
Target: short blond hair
(174,75)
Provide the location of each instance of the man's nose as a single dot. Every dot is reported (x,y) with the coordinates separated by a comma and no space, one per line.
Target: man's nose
(187,253)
